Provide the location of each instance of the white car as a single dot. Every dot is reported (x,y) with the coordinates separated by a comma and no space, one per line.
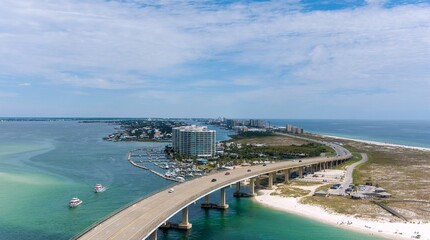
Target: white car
(171,190)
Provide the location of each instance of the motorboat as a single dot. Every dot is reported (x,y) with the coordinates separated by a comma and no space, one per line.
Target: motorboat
(74,202)
(99,188)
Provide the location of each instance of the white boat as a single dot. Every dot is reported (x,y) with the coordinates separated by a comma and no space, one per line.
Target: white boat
(99,188)
(74,202)
(180,179)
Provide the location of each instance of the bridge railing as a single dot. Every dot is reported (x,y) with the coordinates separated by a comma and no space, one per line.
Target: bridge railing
(87,229)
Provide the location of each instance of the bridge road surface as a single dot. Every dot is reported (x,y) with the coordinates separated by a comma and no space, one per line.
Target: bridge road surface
(141,219)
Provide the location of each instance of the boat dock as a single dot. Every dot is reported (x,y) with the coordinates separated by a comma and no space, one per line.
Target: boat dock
(154,159)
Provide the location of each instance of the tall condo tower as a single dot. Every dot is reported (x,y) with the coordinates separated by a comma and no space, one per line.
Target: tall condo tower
(194,141)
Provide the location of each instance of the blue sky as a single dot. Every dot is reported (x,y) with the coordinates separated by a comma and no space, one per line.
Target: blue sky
(342,59)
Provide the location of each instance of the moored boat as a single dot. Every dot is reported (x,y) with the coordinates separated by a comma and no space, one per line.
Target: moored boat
(180,179)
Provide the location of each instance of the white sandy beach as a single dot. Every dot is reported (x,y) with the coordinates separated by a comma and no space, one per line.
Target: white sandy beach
(379,143)
(383,229)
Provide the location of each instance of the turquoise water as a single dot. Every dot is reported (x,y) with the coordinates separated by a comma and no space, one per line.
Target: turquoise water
(44,164)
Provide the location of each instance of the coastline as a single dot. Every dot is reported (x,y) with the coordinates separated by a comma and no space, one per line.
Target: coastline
(376,143)
(377,228)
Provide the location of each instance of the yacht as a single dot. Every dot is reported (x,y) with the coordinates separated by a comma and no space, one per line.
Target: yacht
(74,202)
(99,188)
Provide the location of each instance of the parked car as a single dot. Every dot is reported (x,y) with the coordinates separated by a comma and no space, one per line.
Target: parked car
(249,170)
(171,190)
(227,173)
(264,164)
(213,180)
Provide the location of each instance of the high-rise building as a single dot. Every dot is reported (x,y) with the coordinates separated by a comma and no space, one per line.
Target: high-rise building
(194,141)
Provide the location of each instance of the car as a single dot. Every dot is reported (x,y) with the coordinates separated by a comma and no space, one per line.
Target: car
(249,170)
(227,173)
(171,190)
(300,160)
(213,180)
(264,164)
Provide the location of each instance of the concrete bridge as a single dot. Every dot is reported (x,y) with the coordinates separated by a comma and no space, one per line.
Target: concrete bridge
(142,219)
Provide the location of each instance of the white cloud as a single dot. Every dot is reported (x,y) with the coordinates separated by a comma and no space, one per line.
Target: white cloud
(179,44)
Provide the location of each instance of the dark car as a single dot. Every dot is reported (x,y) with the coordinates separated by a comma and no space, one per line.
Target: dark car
(249,170)
(264,164)
(227,173)
(300,160)
(213,180)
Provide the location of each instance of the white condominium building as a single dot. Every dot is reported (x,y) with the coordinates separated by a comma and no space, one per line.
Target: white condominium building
(194,141)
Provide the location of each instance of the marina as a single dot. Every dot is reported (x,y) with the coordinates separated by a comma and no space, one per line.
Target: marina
(156,161)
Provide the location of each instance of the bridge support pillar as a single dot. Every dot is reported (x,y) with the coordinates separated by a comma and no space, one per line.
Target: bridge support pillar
(270,181)
(223,204)
(185,224)
(300,172)
(251,186)
(207,199)
(287,175)
(257,181)
(238,187)
(153,235)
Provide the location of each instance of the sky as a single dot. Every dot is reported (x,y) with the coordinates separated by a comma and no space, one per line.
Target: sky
(309,59)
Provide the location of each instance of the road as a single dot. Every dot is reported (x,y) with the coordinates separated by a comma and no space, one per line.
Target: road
(348,175)
(340,151)
(142,218)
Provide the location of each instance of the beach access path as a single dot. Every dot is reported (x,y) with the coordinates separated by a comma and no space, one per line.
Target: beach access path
(347,180)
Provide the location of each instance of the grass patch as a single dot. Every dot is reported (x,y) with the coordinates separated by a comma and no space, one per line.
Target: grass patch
(343,205)
(325,187)
(292,192)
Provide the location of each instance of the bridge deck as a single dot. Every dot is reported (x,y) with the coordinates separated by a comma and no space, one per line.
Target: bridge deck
(140,219)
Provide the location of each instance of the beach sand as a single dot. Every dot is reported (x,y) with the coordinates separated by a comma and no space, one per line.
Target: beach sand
(390,230)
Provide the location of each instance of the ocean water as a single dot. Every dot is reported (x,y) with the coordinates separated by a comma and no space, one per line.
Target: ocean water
(412,133)
(44,164)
